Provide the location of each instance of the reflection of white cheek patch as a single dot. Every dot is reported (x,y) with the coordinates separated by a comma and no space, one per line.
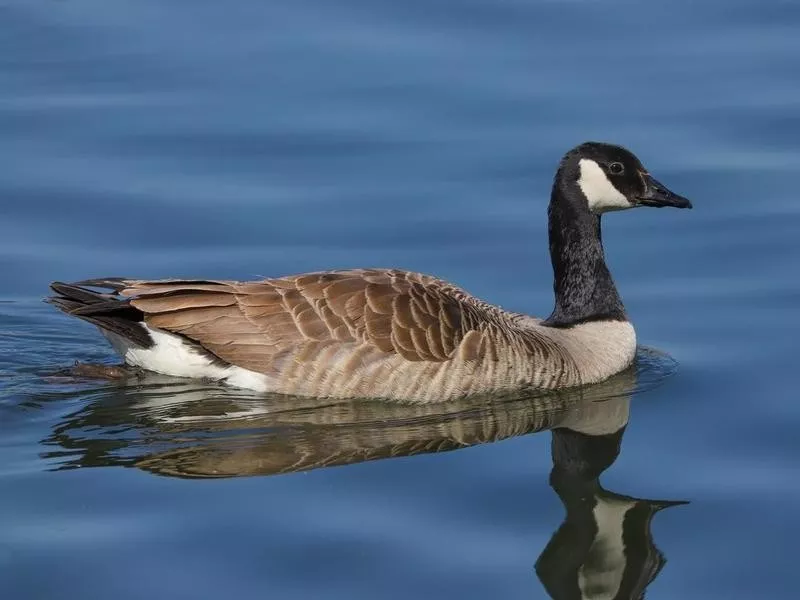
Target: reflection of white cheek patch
(599,191)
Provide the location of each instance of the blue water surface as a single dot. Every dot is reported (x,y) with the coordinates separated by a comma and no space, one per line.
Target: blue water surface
(238,140)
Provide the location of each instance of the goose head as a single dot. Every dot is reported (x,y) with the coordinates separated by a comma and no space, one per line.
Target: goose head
(611,178)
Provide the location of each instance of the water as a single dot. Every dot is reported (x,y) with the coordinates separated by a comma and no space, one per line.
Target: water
(203,139)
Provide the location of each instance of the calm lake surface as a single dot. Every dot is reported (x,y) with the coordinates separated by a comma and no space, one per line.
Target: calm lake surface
(239,140)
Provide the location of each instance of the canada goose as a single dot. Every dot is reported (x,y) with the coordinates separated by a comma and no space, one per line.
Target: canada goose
(390,333)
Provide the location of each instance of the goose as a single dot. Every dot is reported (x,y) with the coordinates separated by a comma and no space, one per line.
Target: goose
(388,333)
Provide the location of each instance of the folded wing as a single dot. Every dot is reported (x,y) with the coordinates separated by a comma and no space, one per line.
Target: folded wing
(251,324)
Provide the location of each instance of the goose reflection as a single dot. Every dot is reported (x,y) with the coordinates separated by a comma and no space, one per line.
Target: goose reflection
(603,549)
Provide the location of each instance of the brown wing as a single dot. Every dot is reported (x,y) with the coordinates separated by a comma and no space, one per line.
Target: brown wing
(249,324)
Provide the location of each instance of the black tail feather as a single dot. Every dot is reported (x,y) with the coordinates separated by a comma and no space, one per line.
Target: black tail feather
(112,283)
(74,292)
(101,307)
(110,312)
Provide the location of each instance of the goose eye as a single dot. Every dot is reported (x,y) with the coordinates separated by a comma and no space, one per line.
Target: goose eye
(616,168)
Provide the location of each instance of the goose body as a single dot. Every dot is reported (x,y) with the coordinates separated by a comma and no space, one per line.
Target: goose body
(391,333)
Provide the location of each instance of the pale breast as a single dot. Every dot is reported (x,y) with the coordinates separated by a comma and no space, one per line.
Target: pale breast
(599,349)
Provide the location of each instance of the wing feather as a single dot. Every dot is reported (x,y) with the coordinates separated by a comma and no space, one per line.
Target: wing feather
(251,324)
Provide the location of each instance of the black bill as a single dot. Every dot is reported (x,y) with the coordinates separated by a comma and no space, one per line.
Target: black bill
(657,194)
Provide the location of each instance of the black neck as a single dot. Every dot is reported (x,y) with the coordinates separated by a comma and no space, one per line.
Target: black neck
(583,286)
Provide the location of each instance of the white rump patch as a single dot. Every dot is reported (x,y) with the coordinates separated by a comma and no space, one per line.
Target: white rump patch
(598,189)
(173,355)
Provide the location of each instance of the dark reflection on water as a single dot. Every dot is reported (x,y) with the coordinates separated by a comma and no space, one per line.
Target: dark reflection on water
(604,547)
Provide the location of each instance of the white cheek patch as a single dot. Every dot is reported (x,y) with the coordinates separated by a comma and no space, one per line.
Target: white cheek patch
(599,191)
